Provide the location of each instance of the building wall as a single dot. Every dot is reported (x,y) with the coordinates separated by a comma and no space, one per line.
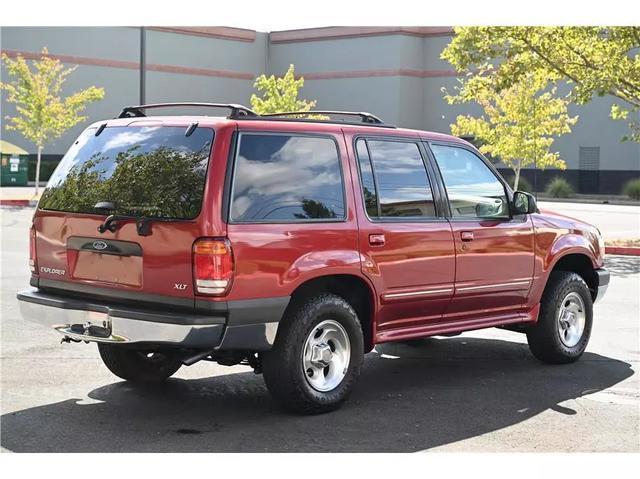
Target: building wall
(393,72)
(180,67)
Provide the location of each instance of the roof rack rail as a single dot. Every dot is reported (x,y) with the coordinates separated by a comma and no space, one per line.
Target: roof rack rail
(364,116)
(236,111)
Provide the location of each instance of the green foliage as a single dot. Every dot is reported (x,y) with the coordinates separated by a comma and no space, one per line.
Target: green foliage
(593,60)
(523,184)
(632,189)
(559,188)
(279,94)
(42,114)
(518,124)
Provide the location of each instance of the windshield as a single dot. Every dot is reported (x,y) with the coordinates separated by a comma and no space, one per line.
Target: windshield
(144,171)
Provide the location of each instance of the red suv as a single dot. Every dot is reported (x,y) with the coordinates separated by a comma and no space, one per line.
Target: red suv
(295,244)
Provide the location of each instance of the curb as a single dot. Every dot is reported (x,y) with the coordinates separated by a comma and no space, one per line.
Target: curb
(18,203)
(623,250)
(587,201)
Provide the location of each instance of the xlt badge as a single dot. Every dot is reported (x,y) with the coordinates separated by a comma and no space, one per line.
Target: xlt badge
(180,286)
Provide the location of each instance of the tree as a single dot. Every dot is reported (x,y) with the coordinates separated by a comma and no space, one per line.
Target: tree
(593,60)
(279,94)
(519,122)
(42,114)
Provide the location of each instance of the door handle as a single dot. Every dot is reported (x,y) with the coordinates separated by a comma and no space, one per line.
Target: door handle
(466,235)
(376,240)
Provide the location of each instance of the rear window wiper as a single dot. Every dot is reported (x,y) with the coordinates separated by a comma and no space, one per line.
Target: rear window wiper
(143,223)
(143,226)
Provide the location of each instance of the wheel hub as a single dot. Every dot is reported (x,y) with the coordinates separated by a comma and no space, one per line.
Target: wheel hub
(326,355)
(571,319)
(321,355)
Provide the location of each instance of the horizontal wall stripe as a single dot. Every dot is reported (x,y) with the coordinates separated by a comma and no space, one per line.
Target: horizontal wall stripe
(336,33)
(101,62)
(406,72)
(200,71)
(226,33)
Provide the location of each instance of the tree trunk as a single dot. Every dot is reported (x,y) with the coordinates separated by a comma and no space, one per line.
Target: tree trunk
(38,170)
(517,178)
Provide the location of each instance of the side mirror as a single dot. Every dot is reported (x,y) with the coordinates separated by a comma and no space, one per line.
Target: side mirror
(524,203)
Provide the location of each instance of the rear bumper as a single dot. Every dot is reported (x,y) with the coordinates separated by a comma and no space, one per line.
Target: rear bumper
(233,325)
(603,283)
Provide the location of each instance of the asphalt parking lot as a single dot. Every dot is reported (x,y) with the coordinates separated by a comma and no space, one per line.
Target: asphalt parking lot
(481,391)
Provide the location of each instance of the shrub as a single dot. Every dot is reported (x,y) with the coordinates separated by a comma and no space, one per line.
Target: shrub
(559,188)
(523,184)
(632,189)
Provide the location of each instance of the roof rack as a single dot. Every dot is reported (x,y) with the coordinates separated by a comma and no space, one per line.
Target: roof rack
(240,112)
(364,116)
(236,111)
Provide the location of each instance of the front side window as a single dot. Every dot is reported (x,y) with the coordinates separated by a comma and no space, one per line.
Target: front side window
(472,188)
(285,178)
(402,187)
(157,172)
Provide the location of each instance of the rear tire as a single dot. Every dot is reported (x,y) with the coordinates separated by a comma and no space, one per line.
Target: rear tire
(564,324)
(317,356)
(138,365)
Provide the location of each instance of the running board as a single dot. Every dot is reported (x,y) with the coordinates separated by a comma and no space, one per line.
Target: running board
(451,328)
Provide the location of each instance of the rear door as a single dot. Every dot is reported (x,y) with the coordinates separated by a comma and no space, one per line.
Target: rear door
(494,250)
(405,241)
(156,174)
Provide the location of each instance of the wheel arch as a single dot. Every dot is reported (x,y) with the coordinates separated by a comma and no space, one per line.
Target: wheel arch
(356,290)
(580,262)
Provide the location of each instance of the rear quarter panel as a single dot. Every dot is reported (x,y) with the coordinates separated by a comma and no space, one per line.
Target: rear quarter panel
(273,259)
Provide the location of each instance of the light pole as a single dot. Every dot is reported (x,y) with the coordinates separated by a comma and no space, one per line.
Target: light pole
(143,65)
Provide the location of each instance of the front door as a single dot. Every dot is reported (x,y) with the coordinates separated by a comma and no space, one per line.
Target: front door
(405,242)
(494,250)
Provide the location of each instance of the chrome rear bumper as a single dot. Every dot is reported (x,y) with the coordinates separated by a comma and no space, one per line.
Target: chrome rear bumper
(98,315)
(83,321)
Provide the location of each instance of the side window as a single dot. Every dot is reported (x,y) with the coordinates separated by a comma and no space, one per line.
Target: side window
(287,178)
(472,188)
(401,185)
(369,190)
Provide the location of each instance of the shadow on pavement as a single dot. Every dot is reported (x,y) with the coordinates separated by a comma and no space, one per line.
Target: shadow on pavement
(410,397)
(622,266)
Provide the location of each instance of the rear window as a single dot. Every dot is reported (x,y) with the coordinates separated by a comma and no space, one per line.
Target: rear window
(285,178)
(145,171)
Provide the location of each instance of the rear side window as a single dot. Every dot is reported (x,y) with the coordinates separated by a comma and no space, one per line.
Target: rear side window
(287,178)
(145,171)
(369,190)
(397,174)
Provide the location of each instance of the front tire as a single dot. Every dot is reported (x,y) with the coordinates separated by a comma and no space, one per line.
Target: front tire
(141,366)
(317,356)
(564,324)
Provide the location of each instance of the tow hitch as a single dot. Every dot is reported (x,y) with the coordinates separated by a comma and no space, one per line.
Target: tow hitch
(67,339)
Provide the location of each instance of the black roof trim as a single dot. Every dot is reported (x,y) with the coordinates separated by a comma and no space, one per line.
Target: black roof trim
(236,111)
(365,117)
(314,120)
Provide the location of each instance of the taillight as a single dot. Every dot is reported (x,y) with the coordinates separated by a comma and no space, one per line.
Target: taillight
(212,266)
(33,264)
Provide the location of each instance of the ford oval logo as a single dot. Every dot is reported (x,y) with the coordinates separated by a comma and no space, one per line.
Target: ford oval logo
(99,245)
